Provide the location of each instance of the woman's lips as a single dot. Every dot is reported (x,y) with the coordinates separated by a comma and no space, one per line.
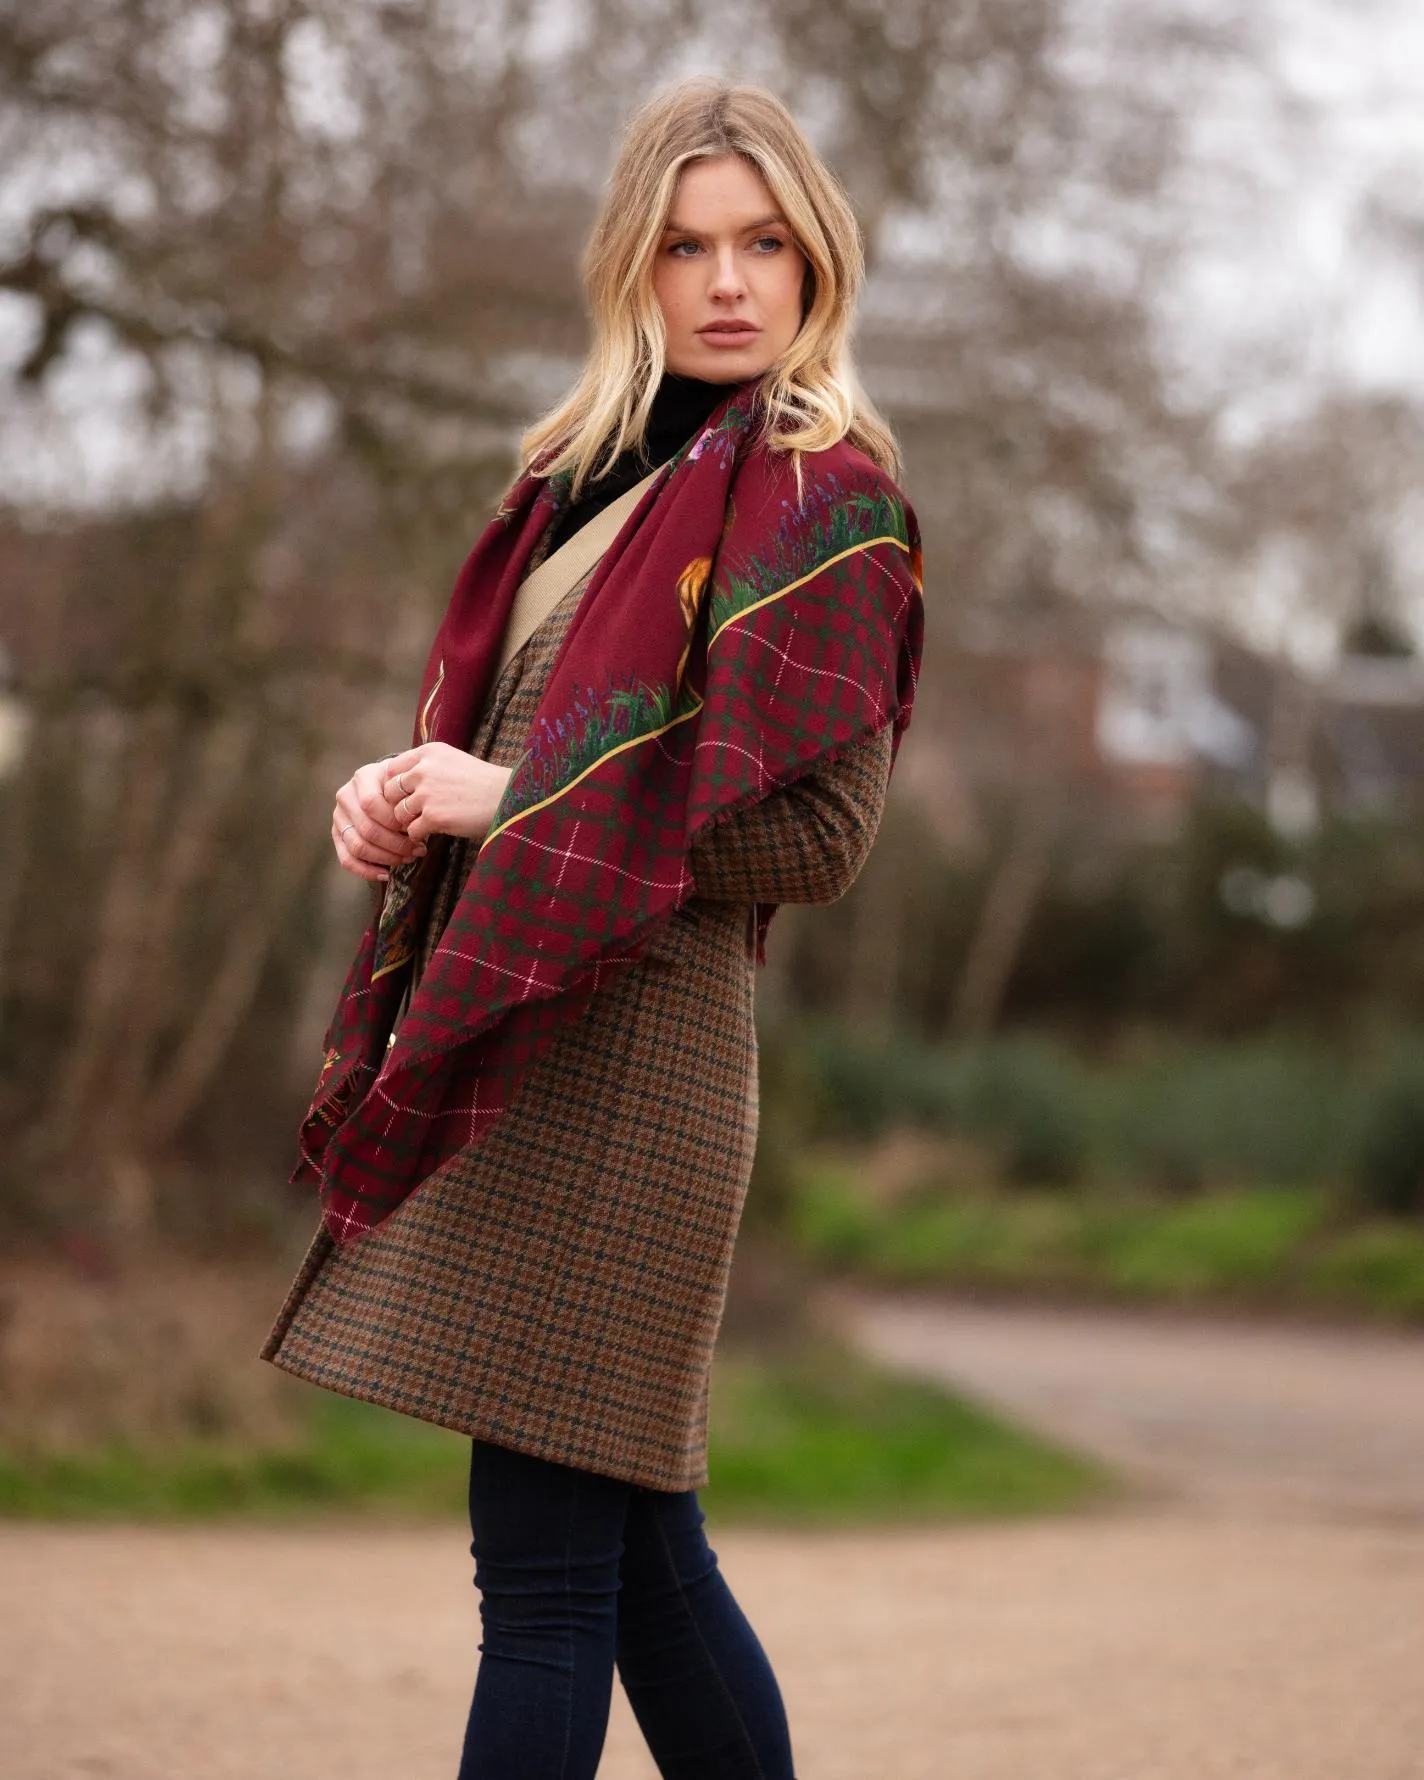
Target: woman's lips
(723,334)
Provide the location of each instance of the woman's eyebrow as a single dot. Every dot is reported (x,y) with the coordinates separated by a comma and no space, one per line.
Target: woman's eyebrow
(762,222)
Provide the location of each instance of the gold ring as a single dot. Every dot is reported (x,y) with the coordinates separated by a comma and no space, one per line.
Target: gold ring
(400,780)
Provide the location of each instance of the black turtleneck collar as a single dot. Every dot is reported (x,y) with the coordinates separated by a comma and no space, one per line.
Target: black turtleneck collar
(680,406)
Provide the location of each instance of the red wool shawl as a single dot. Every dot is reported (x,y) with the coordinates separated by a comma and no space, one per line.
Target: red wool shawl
(736,634)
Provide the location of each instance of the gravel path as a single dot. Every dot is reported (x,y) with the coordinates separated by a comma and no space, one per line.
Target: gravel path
(1252,1618)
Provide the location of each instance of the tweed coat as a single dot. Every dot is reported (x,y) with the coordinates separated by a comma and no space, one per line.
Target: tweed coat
(557,1288)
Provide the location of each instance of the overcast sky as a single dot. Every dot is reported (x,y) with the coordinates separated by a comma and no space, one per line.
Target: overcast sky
(1341,123)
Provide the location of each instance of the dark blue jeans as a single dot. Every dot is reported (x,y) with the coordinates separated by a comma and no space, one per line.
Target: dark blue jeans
(576,1571)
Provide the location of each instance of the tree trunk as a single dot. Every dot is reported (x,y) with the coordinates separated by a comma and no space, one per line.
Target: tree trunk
(1008,906)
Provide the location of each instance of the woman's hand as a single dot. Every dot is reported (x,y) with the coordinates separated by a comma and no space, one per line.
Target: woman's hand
(437,789)
(368,835)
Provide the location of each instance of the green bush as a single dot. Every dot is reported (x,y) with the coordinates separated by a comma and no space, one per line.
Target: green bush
(1166,1116)
(1033,1100)
(860,1088)
(1271,1110)
(1029,1099)
(1389,1170)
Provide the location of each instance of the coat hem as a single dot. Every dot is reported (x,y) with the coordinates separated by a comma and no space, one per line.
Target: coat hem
(476,1428)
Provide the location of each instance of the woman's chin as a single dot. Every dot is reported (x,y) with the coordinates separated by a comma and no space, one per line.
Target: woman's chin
(717,365)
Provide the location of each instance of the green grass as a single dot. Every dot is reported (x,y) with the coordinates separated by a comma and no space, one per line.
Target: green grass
(821,1437)
(1268,1246)
(352,1457)
(829,1438)
(1237,1244)
(1379,1265)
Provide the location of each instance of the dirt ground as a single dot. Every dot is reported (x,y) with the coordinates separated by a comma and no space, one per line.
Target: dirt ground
(1237,1628)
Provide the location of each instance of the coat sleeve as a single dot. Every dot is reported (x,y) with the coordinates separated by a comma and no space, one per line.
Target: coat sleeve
(805,843)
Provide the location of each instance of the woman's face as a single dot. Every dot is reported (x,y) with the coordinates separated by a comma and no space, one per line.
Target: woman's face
(727,274)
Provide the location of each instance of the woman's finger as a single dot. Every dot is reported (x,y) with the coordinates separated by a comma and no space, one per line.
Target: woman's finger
(349,862)
(372,803)
(401,775)
(369,841)
(399,785)
(375,852)
(374,819)
(401,763)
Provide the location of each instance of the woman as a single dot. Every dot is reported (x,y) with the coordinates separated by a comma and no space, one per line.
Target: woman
(548,1030)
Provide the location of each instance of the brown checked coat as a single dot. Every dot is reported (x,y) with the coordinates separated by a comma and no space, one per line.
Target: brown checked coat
(558,1287)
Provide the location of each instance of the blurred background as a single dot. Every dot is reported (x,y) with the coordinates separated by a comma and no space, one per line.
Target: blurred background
(1129,1002)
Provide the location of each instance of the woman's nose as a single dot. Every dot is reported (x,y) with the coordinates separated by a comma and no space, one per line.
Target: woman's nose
(727,280)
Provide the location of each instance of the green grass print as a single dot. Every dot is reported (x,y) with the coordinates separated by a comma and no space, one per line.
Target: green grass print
(847,522)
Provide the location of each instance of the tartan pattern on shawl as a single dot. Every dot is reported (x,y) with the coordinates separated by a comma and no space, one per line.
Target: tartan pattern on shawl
(736,633)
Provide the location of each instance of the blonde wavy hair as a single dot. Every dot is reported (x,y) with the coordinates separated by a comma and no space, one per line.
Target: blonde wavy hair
(812,395)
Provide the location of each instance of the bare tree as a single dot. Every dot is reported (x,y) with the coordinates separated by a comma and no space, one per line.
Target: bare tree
(334,243)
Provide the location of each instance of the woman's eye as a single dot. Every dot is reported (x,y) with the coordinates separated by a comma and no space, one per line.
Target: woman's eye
(678,246)
(769,244)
